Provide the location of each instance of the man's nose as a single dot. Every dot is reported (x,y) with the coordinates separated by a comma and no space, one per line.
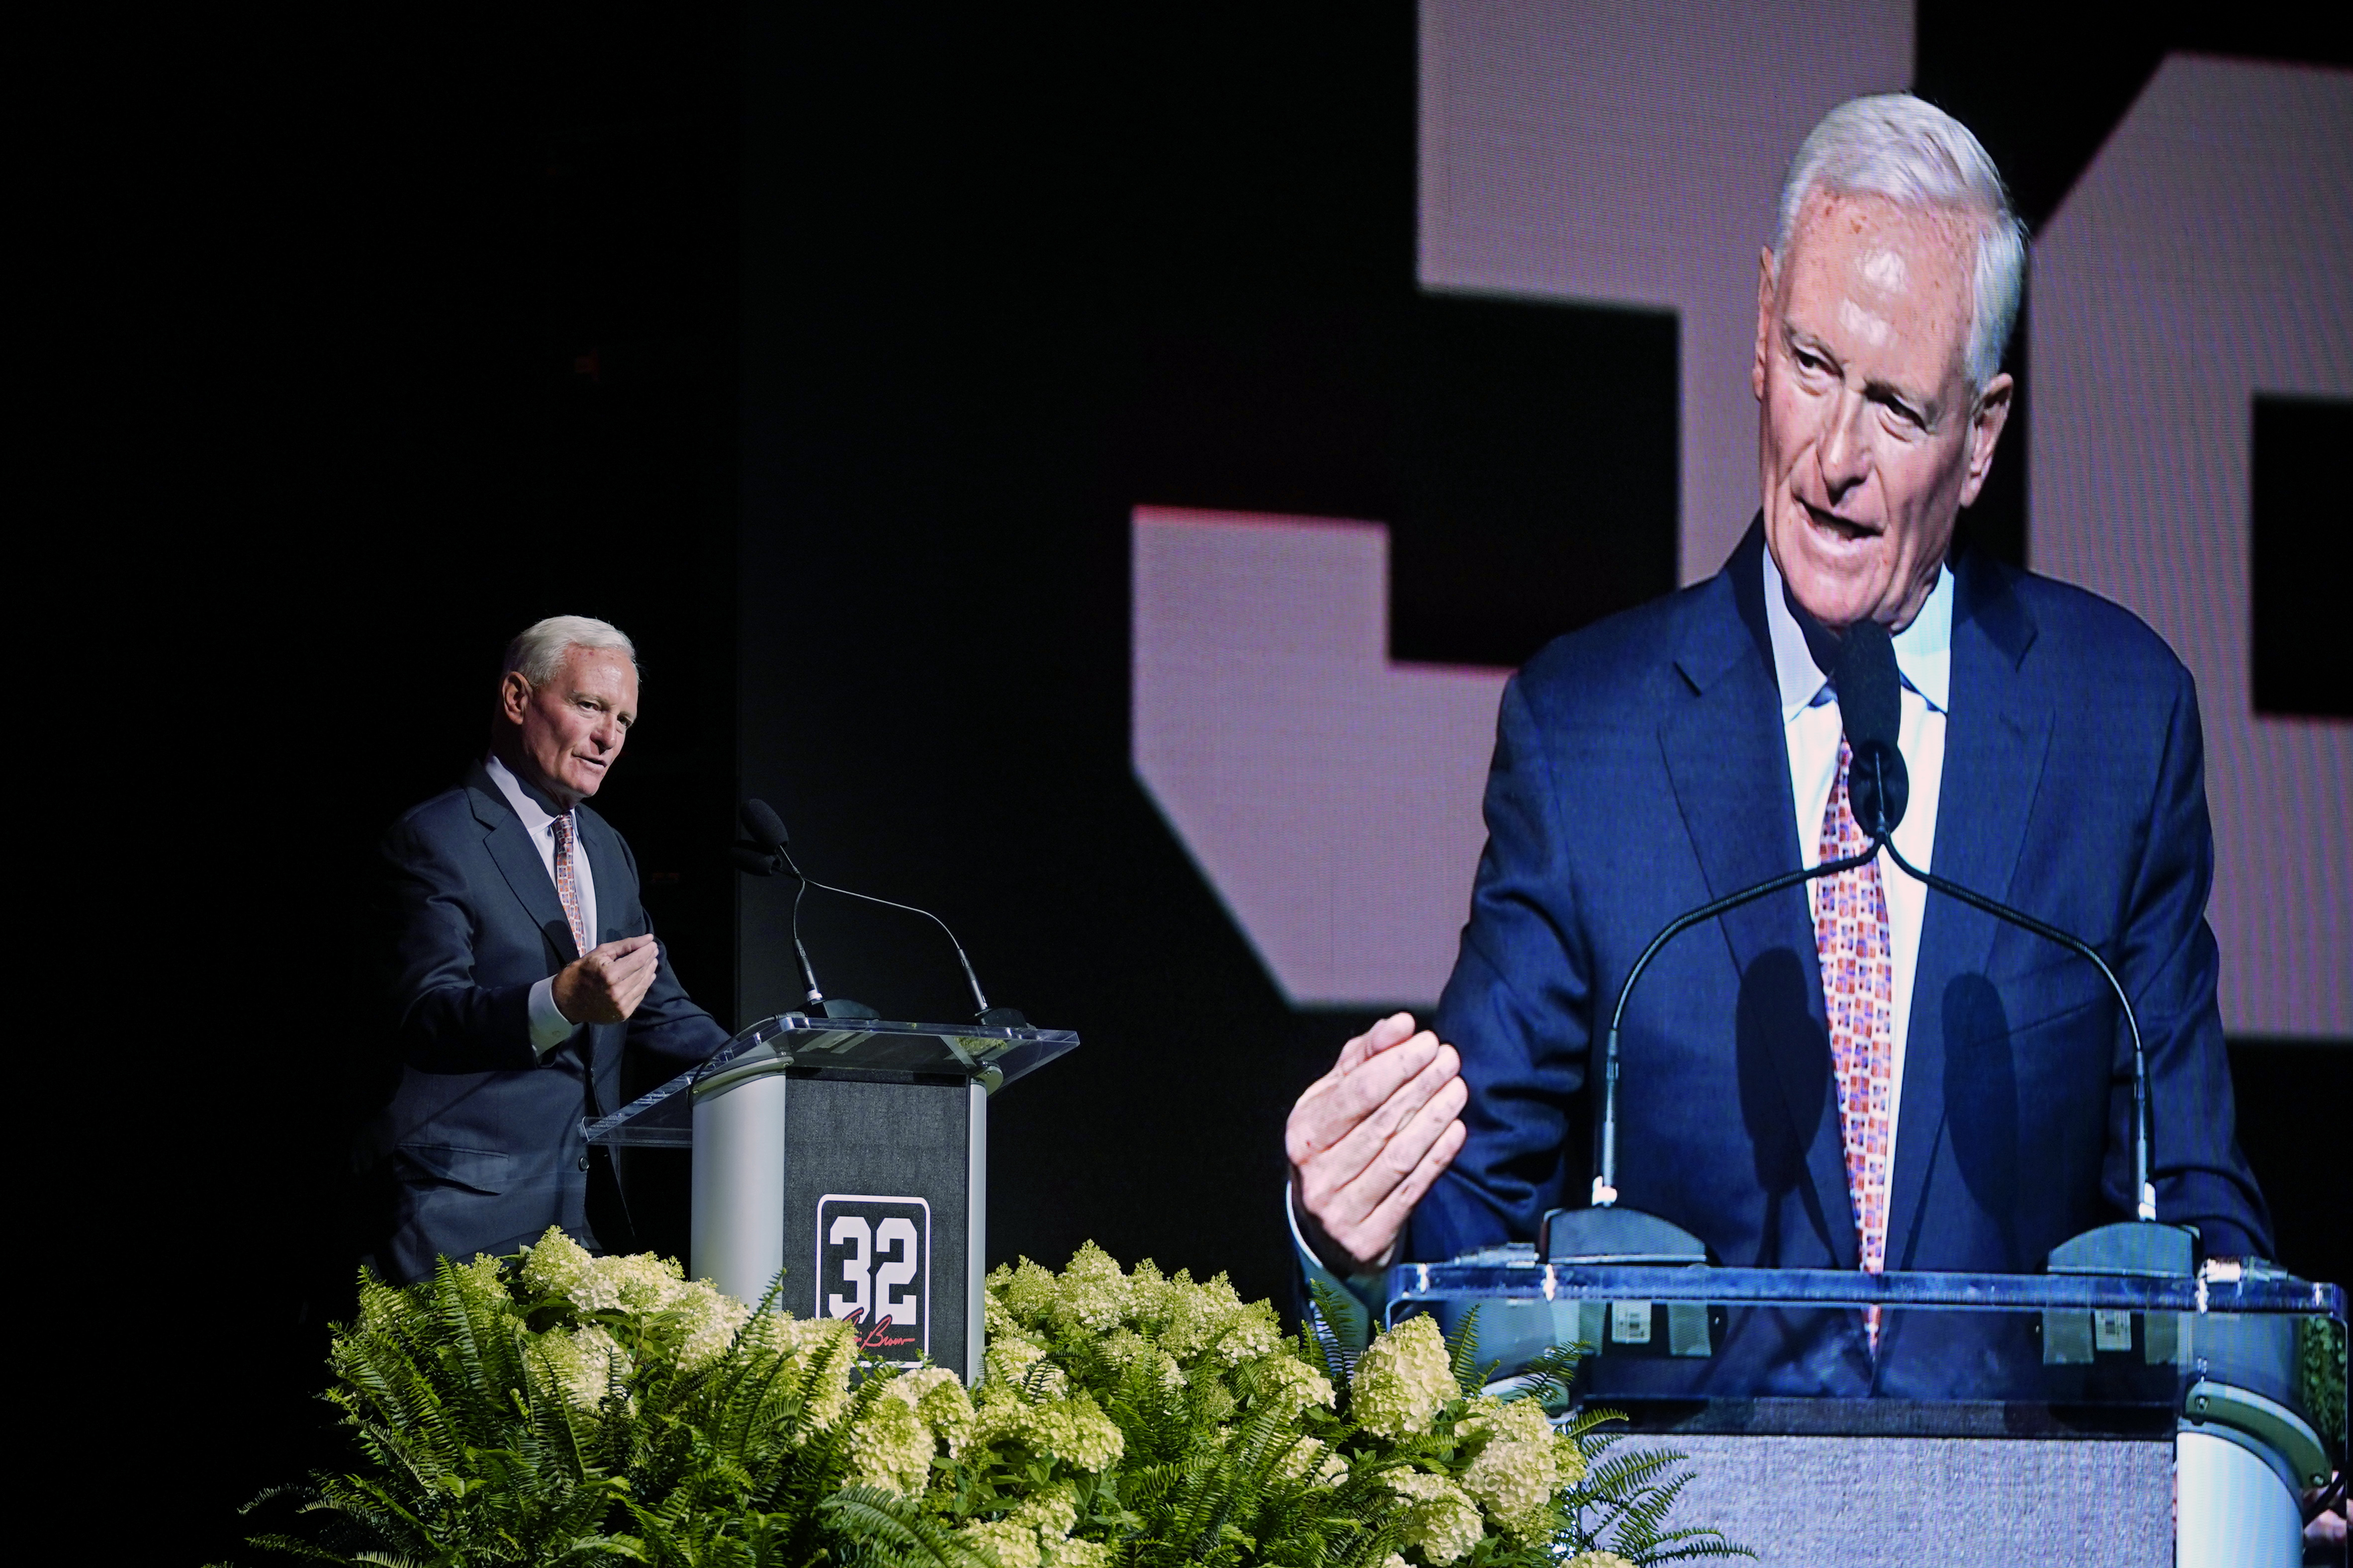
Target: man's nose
(1844,451)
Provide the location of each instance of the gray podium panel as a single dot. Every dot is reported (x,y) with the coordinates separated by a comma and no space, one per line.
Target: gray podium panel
(888,1165)
(1898,1502)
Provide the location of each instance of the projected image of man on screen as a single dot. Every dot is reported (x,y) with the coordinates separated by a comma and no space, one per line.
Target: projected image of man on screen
(1957,1095)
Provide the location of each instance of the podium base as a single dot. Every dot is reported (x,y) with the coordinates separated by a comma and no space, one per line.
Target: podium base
(1615,1235)
(2142,1248)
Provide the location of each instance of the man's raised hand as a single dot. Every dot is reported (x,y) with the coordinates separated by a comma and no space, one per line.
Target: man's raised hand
(1367,1139)
(604,985)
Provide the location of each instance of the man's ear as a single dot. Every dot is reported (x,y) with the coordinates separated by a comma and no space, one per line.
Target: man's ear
(1986,422)
(1764,318)
(514,696)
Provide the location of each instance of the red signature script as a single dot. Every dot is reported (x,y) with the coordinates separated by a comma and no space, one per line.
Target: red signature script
(877,1336)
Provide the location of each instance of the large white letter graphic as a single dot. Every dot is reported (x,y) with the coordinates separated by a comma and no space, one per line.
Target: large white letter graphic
(1330,796)
(2207,255)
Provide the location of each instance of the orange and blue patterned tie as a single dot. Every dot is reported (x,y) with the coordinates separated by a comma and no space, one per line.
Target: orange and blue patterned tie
(567,885)
(1858,990)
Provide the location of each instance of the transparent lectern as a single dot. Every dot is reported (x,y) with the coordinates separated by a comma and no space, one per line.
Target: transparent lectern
(852,1156)
(1996,1418)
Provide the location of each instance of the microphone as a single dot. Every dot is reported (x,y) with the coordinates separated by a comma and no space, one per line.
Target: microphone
(1871,710)
(772,848)
(1879,788)
(768,855)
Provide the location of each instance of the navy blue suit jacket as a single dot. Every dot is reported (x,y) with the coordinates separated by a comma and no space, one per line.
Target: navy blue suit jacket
(1640,770)
(482,1137)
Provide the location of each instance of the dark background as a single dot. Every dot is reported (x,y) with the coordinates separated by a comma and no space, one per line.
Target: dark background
(827,354)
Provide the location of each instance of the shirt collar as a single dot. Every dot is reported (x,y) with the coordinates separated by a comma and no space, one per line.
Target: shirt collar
(1924,651)
(526,801)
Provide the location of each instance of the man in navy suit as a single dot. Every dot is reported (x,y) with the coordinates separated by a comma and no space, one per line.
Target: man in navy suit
(1959,1096)
(522,966)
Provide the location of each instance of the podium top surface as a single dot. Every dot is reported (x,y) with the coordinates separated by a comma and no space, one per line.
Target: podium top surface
(870,1048)
(1707,1349)
(1515,1273)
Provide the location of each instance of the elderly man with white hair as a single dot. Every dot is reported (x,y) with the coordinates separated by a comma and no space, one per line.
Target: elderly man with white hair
(1856,1074)
(523,966)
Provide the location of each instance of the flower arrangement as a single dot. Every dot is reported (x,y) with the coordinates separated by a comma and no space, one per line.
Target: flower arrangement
(560,1408)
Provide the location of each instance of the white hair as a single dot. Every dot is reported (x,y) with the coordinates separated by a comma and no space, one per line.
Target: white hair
(538,650)
(1909,150)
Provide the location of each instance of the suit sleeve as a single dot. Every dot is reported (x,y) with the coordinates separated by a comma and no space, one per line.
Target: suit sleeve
(2169,964)
(668,1021)
(445,1021)
(1518,1009)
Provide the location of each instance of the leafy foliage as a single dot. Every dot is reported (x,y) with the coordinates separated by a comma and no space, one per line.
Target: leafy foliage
(558,1409)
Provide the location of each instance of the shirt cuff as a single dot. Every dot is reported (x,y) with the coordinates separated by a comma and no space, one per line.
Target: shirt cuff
(1367,1292)
(549,1028)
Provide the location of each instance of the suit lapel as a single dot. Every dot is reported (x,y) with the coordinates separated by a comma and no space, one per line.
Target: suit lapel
(1996,739)
(518,861)
(1718,749)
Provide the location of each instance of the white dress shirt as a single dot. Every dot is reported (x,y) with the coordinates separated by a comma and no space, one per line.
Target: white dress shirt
(1811,727)
(549,1028)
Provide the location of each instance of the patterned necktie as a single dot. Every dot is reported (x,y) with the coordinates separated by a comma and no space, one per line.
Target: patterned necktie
(567,885)
(1858,990)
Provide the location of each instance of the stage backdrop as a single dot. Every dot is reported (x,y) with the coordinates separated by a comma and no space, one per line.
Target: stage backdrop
(1159,445)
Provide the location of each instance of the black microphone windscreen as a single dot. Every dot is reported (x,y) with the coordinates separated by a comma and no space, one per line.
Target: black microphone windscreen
(1865,679)
(1871,710)
(753,859)
(763,824)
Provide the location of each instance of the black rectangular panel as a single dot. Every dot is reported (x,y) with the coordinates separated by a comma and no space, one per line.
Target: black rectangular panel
(2300,507)
(879,1152)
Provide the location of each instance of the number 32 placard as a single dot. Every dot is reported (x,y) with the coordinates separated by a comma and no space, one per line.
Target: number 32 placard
(874,1268)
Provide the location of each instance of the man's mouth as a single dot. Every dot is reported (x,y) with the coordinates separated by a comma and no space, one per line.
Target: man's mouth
(1845,528)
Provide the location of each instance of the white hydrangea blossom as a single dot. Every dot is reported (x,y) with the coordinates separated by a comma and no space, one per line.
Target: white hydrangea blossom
(483,1280)
(705,1321)
(1291,1384)
(640,1281)
(1515,1475)
(1072,1552)
(805,1343)
(557,1265)
(1402,1380)
(1567,1459)
(1010,1357)
(938,1399)
(1440,1518)
(1036,1534)
(1093,1293)
(1073,1430)
(1023,1292)
(584,1362)
(1011,1545)
(1312,1460)
(1599,1560)
(890,1447)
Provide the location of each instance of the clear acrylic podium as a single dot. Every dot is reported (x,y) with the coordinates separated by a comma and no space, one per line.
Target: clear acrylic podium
(2020,1418)
(852,1156)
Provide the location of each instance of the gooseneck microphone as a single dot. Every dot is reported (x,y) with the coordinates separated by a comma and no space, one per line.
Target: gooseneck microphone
(1878,791)
(770,853)
(1878,787)
(766,855)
